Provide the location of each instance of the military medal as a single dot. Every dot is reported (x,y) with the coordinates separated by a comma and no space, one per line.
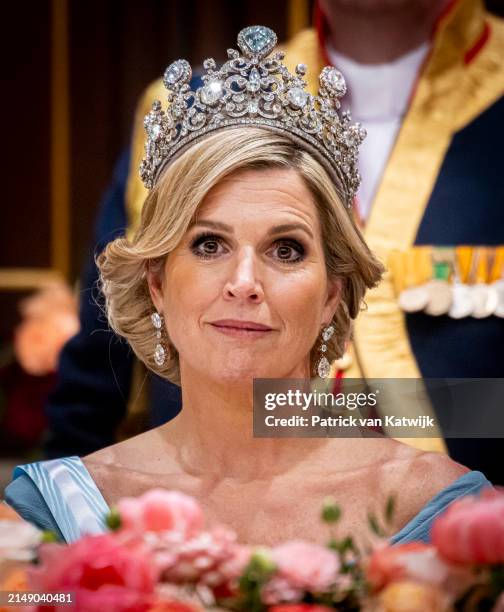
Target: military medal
(485,300)
(440,297)
(439,289)
(498,287)
(462,304)
(485,297)
(497,280)
(414,297)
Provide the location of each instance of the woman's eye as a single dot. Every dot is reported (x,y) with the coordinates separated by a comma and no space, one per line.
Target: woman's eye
(289,251)
(207,246)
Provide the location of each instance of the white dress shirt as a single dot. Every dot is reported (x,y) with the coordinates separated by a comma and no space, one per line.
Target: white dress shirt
(377,97)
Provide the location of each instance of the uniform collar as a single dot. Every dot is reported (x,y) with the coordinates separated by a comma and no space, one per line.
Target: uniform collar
(379,91)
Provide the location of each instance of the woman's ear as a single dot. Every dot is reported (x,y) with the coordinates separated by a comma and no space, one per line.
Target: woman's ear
(154,274)
(334,289)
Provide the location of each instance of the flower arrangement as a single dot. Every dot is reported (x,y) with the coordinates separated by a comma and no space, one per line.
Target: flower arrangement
(157,556)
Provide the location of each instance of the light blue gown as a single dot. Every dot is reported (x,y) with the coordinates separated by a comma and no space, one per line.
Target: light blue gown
(61,495)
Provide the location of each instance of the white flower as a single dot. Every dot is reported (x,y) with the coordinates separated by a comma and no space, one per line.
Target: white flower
(18,540)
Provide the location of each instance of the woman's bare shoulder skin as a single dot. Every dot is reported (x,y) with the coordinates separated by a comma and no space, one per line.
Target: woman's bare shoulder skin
(130,466)
(418,476)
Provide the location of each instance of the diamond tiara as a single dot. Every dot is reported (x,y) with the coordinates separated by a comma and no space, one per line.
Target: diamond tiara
(255,89)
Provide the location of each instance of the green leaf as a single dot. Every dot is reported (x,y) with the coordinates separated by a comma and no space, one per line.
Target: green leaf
(331,512)
(113,519)
(261,563)
(346,545)
(390,509)
(374,525)
(49,536)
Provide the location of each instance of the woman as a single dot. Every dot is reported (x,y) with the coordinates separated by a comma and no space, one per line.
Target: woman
(245,255)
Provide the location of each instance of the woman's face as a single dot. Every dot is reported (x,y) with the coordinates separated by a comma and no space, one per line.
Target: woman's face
(245,293)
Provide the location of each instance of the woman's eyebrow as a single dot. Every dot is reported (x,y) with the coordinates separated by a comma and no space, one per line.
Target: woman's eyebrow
(277,229)
(214,225)
(290,226)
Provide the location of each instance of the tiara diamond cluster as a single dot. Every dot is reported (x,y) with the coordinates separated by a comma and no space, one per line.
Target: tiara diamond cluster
(255,88)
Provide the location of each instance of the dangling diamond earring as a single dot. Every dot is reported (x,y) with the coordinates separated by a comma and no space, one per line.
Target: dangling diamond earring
(159,351)
(323,366)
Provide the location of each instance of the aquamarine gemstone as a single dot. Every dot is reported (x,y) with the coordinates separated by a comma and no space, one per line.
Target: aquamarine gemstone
(258,38)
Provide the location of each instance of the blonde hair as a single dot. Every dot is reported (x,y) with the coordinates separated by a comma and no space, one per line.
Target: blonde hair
(170,207)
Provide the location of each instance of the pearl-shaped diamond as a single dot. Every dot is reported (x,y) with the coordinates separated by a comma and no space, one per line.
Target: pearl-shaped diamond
(323,368)
(159,355)
(258,40)
(254,80)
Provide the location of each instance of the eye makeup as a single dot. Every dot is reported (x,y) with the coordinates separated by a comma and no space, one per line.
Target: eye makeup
(209,245)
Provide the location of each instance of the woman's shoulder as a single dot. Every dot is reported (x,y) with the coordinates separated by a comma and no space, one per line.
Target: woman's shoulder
(145,459)
(391,468)
(137,450)
(444,481)
(425,484)
(58,494)
(419,476)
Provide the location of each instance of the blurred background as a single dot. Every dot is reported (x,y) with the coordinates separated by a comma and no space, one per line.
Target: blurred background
(74,73)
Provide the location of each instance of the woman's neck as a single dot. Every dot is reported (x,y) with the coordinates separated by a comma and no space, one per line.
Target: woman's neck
(213,434)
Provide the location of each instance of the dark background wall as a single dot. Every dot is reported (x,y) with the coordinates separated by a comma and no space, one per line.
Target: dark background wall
(73,72)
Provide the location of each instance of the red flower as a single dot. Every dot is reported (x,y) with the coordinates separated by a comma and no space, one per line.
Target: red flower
(103,573)
(472,530)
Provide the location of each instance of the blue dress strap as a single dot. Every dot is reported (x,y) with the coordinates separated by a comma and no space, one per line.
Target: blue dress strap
(71,496)
(28,502)
(418,529)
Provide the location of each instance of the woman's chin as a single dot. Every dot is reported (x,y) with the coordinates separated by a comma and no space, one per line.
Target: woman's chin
(236,372)
(238,368)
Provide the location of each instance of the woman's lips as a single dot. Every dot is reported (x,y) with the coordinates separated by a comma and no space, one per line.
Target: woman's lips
(241,329)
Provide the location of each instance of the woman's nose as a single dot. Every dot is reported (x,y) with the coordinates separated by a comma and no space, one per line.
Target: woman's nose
(243,282)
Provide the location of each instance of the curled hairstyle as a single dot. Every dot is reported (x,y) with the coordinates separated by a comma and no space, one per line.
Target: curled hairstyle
(171,206)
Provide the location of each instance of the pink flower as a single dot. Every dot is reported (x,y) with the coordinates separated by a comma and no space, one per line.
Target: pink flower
(104,574)
(161,510)
(306,565)
(472,530)
(301,566)
(212,558)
